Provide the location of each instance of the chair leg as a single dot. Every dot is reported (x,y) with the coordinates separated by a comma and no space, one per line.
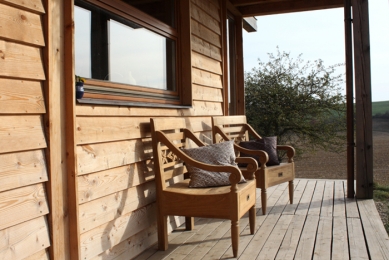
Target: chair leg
(162,232)
(264,200)
(291,191)
(189,223)
(235,237)
(252,220)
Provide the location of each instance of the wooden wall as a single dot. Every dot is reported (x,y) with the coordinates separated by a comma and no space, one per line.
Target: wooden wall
(24,207)
(115,187)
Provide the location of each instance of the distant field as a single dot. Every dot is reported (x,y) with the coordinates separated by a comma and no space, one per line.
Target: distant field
(380,107)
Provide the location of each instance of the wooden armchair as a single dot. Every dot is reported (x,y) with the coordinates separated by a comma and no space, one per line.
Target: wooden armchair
(174,197)
(235,128)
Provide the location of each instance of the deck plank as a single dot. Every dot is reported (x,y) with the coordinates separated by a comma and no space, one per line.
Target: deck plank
(321,224)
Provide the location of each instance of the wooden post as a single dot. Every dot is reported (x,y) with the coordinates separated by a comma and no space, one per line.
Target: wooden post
(55,130)
(364,133)
(350,98)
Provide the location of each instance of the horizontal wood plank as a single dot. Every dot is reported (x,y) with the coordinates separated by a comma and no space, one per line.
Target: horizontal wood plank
(22,204)
(111,234)
(206,48)
(207,94)
(98,110)
(32,5)
(100,184)
(202,62)
(108,208)
(205,78)
(24,240)
(22,169)
(212,8)
(40,255)
(18,133)
(207,20)
(104,156)
(108,129)
(205,34)
(20,61)
(29,25)
(205,108)
(21,97)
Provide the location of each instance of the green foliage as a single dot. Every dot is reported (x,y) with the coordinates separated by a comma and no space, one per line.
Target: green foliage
(380,109)
(299,102)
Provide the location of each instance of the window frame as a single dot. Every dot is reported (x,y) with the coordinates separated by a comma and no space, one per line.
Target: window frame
(132,95)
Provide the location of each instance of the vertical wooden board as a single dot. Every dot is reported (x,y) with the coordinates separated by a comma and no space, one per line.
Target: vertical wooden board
(317,199)
(212,8)
(376,236)
(108,129)
(24,240)
(340,239)
(22,169)
(33,5)
(307,239)
(306,198)
(18,133)
(323,239)
(21,96)
(100,184)
(327,208)
(270,249)
(40,255)
(20,61)
(299,187)
(356,239)
(21,26)
(260,238)
(204,18)
(108,208)
(291,239)
(22,204)
(205,48)
(104,156)
(111,234)
(207,94)
(339,200)
(205,34)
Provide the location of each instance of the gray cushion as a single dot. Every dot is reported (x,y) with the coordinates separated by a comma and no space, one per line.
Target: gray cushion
(267,144)
(215,154)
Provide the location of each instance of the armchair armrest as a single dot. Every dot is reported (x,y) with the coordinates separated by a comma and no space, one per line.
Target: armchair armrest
(290,151)
(250,169)
(263,156)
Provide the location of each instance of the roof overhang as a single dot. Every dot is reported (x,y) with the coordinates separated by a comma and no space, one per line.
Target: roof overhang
(267,7)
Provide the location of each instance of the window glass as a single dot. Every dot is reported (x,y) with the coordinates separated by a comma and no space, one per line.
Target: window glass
(111,48)
(83,43)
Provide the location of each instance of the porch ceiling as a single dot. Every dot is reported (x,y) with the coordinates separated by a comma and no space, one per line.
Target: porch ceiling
(267,7)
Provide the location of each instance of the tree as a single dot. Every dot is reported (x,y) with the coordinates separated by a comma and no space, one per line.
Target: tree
(299,102)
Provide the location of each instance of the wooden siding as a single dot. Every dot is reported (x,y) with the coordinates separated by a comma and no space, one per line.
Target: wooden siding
(114,185)
(24,205)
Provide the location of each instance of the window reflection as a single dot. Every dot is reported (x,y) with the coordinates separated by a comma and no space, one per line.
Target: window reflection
(110,48)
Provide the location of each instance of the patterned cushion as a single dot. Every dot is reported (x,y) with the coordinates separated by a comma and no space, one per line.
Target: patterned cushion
(267,144)
(216,154)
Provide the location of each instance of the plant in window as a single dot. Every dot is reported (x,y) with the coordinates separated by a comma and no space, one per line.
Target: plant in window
(79,87)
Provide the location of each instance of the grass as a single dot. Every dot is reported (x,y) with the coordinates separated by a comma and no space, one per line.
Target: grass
(380,107)
(381,196)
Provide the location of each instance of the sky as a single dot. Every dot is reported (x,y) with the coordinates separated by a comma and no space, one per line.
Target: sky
(320,35)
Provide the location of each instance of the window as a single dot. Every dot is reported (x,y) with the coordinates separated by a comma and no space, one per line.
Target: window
(126,54)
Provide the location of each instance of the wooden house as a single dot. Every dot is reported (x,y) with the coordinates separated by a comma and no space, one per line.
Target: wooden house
(76,175)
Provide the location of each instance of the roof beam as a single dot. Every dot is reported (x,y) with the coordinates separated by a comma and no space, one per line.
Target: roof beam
(267,8)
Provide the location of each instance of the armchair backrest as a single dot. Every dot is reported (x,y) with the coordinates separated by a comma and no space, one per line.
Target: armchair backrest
(169,135)
(231,128)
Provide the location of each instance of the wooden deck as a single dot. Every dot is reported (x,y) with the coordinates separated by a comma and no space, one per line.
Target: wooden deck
(321,224)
